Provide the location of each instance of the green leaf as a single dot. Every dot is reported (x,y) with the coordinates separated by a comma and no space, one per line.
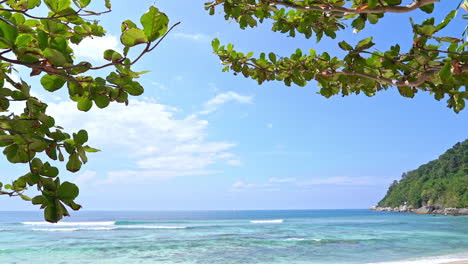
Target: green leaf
(445,73)
(373,18)
(68,191)
(101,101)
(48,121)
(447,20)
(36,165)
(8,34)
(25,197)
(23,40)
(365,44)
(57,5)
(29,4)
(359,23)
(49,171)
(38,200)
(428,8)
(38,145)
(109,54)
(154,23)
(81,3)
(372,3)
(50,214)
(393,2)
(82,154)
(55,57)
(72,205)
(272,57)
(4,104)
(133,37)
(90,149)
(215,44)
(406,91)
(52,82)
(84,104)
(81,137)
(134,88)
(345,46)
(74,163)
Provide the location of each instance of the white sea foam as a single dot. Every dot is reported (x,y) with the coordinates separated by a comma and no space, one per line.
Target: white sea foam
(276,221)
(73,229)
(110,223)
(151,227)
(101,227)
(303,239)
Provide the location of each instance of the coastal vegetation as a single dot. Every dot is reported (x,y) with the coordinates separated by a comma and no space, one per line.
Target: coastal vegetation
(436,61)
(39,35)
(442,182)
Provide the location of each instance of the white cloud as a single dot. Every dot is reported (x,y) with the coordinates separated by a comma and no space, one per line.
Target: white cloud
(276,184)
(281,180)
(344,180)
(85,178)
(270,125)
(192,36)
(235,162)
(244,186)
(230,96)
(123,177)
(93,48)
(150,135)
(159,85)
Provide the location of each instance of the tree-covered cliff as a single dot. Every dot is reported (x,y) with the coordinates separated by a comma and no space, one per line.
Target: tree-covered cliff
(443,181)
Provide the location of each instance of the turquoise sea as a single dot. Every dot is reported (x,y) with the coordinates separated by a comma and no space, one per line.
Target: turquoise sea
(224,237)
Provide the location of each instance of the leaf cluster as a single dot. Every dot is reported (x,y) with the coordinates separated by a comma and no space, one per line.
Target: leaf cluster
(43,44)
(435,63)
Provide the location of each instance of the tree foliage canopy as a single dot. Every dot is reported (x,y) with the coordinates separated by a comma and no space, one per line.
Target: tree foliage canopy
(42,44)
(440,182)
(435,63)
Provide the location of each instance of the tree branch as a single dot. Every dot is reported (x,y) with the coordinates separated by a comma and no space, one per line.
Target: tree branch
(376,10)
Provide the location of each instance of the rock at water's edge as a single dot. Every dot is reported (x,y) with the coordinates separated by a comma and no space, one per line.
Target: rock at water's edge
(423,210)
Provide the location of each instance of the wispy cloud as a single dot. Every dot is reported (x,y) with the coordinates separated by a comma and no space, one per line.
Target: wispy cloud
(123,177)
(85,178)
(192,36)
(239,186)
(344,180)
(281,180)
(93,48)
(290,183)
(223,98)
(160,85)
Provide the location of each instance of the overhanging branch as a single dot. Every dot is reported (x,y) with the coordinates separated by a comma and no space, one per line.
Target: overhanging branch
(359,10)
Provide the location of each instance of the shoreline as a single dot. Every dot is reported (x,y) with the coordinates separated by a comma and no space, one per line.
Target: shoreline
(455,258)
(423,210)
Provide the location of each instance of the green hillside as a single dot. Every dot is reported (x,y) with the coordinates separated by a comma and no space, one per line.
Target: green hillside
(443,181)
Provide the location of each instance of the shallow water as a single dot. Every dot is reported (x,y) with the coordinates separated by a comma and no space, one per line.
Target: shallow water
(296,237)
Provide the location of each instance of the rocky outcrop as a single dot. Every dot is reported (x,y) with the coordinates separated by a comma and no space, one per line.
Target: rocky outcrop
(428,209)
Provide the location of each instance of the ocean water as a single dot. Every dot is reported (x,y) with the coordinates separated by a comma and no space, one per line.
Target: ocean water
(224,237)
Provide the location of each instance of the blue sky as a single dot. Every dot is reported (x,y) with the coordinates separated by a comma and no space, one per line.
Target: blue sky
(201,139)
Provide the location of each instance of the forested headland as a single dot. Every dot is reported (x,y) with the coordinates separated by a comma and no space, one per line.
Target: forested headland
(441,183)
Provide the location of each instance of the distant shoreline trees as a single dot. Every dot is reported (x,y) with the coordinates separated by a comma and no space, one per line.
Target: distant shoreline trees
(443,181)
